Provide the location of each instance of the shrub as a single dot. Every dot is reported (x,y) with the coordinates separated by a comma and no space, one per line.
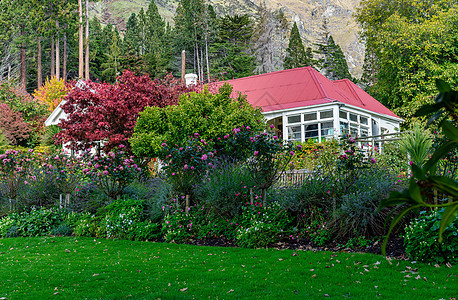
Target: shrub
(6,223)
(52,92)
(178,225)
(85,224)
(226,189)
(125,219)
(37,222)
(261,226)
(421,239)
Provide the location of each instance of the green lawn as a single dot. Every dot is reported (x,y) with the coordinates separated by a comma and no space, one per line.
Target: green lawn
(77,268)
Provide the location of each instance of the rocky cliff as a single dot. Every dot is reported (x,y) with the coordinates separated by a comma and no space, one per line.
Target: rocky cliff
(308,14)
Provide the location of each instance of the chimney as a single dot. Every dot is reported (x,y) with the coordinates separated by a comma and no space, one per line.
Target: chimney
(191,79)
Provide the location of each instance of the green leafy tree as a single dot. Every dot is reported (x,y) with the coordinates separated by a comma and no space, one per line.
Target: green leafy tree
(296,55)
(208,115)
(112,67)
(409,44)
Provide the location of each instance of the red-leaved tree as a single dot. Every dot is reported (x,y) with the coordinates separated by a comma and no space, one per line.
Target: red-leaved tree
(108,112)
(13,126)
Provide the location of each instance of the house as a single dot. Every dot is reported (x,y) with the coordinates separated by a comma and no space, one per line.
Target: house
(303,104)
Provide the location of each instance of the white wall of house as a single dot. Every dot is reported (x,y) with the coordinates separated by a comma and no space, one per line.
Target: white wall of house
(328,121)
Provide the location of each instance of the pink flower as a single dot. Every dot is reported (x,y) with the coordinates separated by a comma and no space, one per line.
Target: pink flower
(164,145)
(351,140)
(173,174)
(291,153)
(256,153)
(271,126)
(373,160)
(105,172)
(410,162)
(275,137)
(204,157)
(185,167)
(121,146)
(192,168)
(196,134)
(299,147)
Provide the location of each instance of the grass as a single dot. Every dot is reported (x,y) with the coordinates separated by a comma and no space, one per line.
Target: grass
(76,268)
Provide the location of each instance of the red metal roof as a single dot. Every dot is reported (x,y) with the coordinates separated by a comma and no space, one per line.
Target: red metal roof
(302,87)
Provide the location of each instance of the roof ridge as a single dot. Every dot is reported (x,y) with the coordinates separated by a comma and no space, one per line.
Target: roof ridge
(265,74)
(348,82)
(317,81)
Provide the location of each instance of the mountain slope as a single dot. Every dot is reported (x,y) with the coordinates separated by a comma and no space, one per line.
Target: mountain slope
(308,14)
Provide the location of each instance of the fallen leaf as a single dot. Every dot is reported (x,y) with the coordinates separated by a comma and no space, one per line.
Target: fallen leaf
(314,275)
(96,275)
(326,295)
(418,277)
(448,265)
(408,276)
(230,291)
(183,289)
(294,254)
(68,251)
(280,259)
(437,266)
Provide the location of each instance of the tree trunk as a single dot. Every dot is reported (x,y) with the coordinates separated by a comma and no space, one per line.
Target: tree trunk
(53,61)
(206,55)
(86,77)
(57,52)
(65,55)
(39,66)
(80,41)
(23,67)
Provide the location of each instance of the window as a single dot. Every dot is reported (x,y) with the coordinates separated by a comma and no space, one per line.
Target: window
(294,133)
(310,117)
(343,128)
(327,129)
(353,117)
(343,115)
(353,129)
(364,131)
(311,131)
(294,119)
(326,114)
(363,120)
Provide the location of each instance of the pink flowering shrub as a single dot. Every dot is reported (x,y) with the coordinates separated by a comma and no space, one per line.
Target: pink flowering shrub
(111,172)
(16,171)
(186,165)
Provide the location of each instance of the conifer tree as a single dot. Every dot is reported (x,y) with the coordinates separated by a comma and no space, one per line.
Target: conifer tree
(332,62)
(231,57)
(296,55)
(131,37)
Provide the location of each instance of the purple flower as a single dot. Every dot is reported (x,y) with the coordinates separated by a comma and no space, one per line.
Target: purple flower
(275,137)
(196,134)
(164,145)
(204,157)
(410,162)
(373,160)
(351,140)
(271,126)
(256,153)
(299,147)
(291,153)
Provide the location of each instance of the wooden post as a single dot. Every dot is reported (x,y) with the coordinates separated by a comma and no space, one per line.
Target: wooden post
(251,195)
(67,200)
(187,204)
(60,201)
(183,66)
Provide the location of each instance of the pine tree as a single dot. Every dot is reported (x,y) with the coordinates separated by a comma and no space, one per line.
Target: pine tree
(112,67)
(332,62)
(131,37)
(231,57)
(296,55)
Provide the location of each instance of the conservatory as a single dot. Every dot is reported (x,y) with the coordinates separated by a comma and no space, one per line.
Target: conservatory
(302,104)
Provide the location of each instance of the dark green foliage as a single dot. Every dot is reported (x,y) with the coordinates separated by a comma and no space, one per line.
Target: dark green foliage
(331,62)
(421,239)
(230,51)
(296,55)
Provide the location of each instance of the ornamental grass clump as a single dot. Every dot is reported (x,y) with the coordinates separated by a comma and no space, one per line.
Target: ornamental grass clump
(111,172)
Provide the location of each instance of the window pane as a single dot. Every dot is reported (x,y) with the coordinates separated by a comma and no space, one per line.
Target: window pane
(343,128)
(364,131)
(294,119)
(353,117)
(326,114)
(310,117)
(343,114)
(294,133)
(363,120)
(327,129)
(353,129)
(311,131)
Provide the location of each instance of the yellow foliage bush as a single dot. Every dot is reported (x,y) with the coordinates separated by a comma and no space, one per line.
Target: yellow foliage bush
(52,92)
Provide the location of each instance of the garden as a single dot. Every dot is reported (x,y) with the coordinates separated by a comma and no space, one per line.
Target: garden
(209,170)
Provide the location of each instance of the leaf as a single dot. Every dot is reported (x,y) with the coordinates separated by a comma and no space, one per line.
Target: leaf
(396,221)
(438,154)
(445,184)
(183,290)
(443,86)
(448,217)
(449,130)
(414,191)
(418,172)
